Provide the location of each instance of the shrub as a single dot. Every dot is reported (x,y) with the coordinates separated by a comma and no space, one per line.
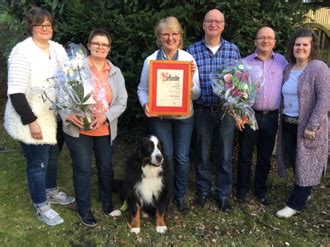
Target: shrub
(131,24)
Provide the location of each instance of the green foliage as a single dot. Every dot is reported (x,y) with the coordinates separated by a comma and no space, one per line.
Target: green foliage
(131,24)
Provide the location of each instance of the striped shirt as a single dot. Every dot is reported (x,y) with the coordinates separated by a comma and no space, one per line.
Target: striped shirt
(269,97)
(207,61)
(23,60)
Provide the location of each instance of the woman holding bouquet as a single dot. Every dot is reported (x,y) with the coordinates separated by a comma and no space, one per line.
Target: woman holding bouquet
(174,132)
(28,118)
(110,95)
(303,133)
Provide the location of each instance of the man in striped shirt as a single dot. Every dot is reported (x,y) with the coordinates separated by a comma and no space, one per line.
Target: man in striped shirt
(212,53)
(266,112)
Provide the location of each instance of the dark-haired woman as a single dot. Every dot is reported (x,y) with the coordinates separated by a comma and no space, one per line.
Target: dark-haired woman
(28,118)
(110,83)
(303,136)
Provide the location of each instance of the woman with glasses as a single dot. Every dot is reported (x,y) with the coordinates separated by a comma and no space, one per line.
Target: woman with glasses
(29,119)
(174,132)
(303,132)
(111,99)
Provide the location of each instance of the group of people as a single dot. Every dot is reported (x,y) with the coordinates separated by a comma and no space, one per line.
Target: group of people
(28,119)
(293,100)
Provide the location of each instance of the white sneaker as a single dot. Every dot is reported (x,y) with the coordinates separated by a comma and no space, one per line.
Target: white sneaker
(286,212)
(57,197)
(50,217)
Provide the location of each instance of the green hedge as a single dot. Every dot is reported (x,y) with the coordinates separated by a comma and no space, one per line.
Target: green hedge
(131,24)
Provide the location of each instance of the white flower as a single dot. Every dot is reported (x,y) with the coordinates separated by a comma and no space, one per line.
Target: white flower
(68,71)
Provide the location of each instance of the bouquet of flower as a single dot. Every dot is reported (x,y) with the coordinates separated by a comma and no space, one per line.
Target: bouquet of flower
(237,85)
(73,88)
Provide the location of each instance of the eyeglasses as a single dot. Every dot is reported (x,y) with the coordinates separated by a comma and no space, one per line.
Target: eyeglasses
(101,45)
(216,22)
(167,35)
(46,26)
(265,38)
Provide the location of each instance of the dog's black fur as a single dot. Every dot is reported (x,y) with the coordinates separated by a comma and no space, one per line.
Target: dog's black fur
(134,175)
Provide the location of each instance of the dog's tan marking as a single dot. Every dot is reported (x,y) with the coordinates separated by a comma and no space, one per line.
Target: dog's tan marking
(160,219)
(135,221)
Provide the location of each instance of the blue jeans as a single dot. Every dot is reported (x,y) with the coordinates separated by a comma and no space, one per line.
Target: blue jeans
(264,139)
(175,135)
(41,173)
(298,197)
(208,125)
(81,150)
(54,152)
(299,194)
(289,132)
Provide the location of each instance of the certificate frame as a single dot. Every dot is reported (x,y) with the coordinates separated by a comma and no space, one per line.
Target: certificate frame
(169,88)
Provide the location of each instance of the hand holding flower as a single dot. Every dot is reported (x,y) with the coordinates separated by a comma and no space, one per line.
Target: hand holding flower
(237,86)
(239,124)
(98,121)
(76,120)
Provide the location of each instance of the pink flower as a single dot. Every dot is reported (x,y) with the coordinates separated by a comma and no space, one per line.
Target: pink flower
(227,77)
(238,74)
(236,92)
(228,84)
(245,76)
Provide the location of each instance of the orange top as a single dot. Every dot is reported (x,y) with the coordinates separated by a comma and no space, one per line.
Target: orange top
(102,95)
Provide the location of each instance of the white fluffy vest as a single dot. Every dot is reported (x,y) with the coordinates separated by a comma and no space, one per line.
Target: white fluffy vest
(41,68)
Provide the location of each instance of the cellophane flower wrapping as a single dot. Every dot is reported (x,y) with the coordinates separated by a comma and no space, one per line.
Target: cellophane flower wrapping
(74,87)
(237,84)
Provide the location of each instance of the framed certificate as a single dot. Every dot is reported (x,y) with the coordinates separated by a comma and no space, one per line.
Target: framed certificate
(169,87)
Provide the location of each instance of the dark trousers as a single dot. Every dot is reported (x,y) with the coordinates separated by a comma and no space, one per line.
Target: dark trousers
(299,194)
(264,139)
(298,197)
(211,125)
(81,150)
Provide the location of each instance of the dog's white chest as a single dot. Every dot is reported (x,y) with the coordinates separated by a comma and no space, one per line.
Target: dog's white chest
(151,184)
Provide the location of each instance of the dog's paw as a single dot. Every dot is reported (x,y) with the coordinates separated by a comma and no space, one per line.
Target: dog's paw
(135,230)
(161,229)
(115,213)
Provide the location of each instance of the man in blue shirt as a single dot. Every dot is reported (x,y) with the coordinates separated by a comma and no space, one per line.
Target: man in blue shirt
(212,53)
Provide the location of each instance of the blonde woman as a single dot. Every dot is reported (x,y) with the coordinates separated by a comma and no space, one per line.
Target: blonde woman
(174,132)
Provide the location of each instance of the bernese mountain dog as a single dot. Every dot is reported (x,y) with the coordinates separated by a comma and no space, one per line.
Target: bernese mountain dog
(148,184)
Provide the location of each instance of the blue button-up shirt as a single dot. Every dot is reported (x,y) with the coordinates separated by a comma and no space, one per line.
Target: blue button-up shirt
(207,62)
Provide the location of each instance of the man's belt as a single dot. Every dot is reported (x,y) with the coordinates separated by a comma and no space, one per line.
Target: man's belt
(290,120)
(213,108)
(265,112)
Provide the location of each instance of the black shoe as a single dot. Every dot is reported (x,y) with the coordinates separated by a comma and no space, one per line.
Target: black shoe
(107,208)
(88,219)
(241,196)
(200,200)
(182,205)
(264,200)
(224,206)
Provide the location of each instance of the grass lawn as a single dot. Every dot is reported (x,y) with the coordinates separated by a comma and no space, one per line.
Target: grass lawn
(250,224)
